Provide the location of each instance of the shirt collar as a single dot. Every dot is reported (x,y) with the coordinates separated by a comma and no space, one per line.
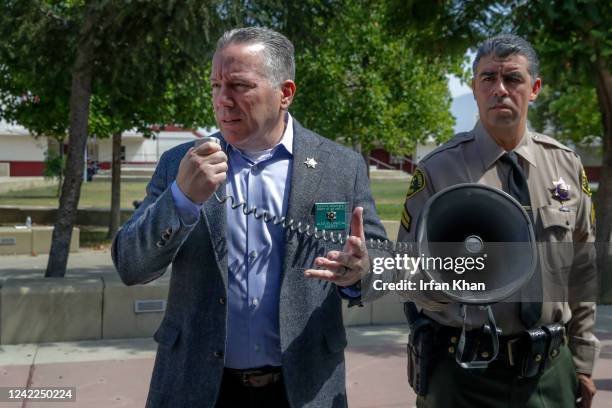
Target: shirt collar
(287,139)
(285,143)
(490,151)
(525,149)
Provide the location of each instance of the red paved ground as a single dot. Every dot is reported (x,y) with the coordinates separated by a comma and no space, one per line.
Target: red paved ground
(376,378)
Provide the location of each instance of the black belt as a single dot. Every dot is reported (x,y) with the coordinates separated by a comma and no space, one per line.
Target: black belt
(255,377)
(530,351)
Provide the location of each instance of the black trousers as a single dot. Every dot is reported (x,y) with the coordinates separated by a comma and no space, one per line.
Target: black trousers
(234,394)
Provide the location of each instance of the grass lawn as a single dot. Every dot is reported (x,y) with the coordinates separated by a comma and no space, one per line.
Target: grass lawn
(388,194)
(94,237)
(389,197)
(95,194)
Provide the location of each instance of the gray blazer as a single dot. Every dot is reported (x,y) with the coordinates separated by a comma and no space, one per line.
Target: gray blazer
(191,338)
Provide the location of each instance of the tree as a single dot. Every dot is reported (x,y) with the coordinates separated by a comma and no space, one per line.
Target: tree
(63,52)
(369,89)
(115,109)
(568,112)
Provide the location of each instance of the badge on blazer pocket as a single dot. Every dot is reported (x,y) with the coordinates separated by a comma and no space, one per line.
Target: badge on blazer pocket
(331,216)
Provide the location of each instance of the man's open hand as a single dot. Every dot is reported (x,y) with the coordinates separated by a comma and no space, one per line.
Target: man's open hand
(347,267)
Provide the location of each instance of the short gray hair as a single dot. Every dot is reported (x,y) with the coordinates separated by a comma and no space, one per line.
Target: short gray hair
(278,52)
(504,45)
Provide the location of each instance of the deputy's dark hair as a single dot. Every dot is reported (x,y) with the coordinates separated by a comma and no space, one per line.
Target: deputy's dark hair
(504,45)
(278,51)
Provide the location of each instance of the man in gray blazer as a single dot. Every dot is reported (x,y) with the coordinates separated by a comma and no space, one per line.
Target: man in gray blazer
(245,326)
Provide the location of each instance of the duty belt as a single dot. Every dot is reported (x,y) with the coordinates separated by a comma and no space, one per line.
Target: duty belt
(256,377)
(529,352)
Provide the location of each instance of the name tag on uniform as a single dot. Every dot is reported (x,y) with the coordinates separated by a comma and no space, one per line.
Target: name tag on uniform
(330,216)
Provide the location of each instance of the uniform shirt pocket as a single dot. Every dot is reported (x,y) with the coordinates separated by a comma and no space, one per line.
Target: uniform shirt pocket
(554,237)
(556,224)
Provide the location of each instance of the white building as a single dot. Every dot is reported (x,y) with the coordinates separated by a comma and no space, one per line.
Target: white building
(23,155)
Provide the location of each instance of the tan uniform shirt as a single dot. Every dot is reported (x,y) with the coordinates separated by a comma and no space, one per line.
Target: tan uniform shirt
(473,157)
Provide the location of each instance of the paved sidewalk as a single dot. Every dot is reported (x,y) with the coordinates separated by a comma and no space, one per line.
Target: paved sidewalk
(116,373)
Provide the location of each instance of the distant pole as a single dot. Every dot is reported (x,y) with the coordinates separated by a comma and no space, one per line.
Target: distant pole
(85,164)
(157,147)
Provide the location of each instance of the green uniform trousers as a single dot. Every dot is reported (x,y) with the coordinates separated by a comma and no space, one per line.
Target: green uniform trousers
(498,386)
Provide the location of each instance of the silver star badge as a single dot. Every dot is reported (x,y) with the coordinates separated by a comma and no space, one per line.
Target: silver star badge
(311,163)
(561,190)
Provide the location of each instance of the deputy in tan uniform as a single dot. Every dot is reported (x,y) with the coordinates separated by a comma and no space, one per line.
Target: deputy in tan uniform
(505,81)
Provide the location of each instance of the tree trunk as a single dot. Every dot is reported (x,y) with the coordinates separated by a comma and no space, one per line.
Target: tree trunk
(366,158)
(115,212)
(603,205)
(80,95)
(62,171)
(366,155)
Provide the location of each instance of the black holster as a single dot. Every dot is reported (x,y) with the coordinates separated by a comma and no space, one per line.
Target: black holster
(421,352)
(538,347)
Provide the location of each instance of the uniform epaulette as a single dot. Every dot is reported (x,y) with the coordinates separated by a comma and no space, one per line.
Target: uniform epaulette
(547,140)
(458,139)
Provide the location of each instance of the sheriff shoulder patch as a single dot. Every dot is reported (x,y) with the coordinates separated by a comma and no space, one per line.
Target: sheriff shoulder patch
(416,184)
(406,219)
(585,183)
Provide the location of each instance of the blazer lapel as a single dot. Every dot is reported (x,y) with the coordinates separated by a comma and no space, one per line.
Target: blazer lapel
(215,219)
(305,181)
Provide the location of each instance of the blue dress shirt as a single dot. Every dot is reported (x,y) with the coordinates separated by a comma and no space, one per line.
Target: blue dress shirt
(255,251)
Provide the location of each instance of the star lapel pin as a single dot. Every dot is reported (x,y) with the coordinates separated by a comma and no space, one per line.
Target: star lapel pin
(311,163)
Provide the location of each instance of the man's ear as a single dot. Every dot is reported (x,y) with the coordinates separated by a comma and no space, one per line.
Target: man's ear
(535,89)
(288,91)
(472,84)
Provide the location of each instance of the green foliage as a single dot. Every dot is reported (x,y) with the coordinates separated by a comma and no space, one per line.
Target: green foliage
(574,42)
(147,61)
(572,37)
(34,81)
(54,165)
(361,86)
(570,114)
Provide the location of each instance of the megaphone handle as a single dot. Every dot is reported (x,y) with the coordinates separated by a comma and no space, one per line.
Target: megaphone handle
(493,332)
(477,364)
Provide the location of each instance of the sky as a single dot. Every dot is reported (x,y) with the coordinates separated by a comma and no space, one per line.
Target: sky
(456,87)
(463,107)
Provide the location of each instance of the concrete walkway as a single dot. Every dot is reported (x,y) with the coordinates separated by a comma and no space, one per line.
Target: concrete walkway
(116,373)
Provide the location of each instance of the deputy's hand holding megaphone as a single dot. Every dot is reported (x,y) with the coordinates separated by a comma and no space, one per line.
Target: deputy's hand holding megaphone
(345,268)
(202,170)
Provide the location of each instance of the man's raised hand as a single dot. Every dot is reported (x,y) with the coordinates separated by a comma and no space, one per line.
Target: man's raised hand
(345,267)
(202,170)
